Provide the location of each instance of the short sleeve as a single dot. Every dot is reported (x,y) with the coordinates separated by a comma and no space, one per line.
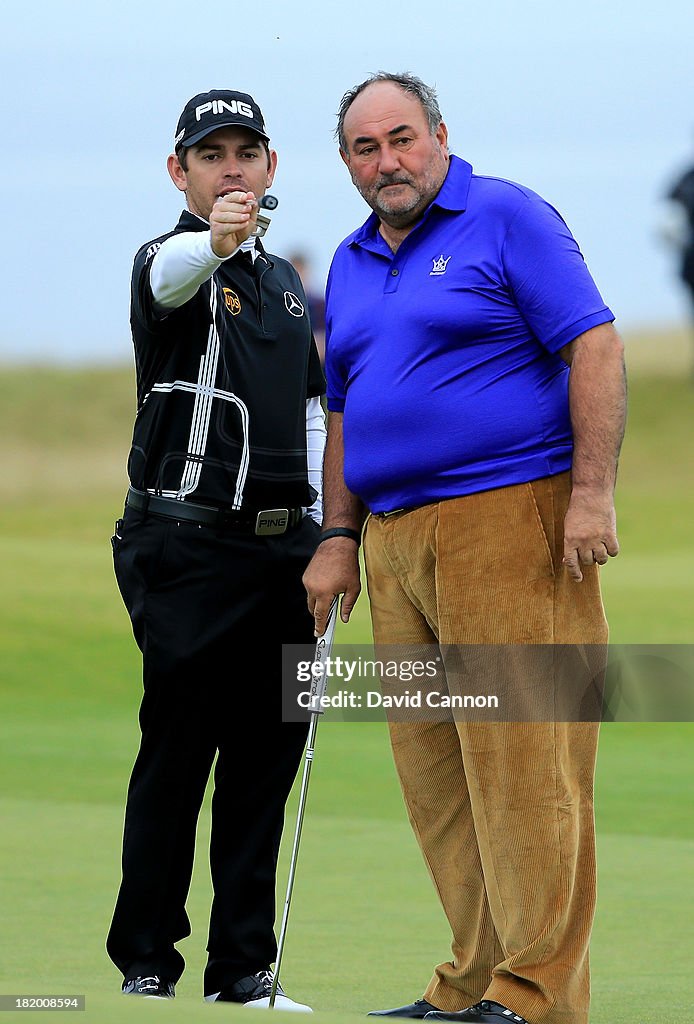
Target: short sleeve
(548,277)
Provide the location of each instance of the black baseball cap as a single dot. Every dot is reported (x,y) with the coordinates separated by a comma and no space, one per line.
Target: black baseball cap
(215,109)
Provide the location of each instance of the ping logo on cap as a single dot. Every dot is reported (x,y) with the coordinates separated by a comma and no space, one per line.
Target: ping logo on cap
(220,106)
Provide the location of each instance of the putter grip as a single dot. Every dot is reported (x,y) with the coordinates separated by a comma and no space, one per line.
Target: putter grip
(319,674)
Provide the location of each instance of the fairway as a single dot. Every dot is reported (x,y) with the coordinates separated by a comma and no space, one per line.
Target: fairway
(366,927)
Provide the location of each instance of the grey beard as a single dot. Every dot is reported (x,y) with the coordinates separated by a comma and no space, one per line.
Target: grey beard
(398,218)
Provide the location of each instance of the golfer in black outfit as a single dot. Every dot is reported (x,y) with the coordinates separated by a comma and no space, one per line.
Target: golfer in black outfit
(220,522)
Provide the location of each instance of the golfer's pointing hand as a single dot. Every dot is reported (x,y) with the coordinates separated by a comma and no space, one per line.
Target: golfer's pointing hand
(334,569)
(232,221)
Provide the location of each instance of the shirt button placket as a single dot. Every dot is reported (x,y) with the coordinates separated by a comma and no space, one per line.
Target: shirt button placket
(392,280)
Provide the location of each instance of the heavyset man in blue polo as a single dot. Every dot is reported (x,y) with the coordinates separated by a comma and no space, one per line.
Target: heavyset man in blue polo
(477,403)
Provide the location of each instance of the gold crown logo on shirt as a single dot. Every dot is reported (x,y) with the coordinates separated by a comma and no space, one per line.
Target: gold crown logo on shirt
(439,266)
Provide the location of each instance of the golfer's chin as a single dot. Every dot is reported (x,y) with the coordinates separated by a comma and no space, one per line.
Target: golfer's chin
(399,205)
(398,215)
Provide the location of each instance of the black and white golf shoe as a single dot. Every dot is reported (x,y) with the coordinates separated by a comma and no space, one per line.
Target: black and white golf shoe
(151,988)
(484,1012)
(254,992)
(412,1011)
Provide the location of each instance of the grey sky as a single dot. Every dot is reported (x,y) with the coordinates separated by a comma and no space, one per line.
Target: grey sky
(590,105)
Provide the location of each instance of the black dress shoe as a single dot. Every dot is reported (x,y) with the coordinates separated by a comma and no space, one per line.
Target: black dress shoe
(152,987)
(413,1011)
(484,1012)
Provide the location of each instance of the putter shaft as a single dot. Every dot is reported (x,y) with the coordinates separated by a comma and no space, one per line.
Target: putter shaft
(323,648)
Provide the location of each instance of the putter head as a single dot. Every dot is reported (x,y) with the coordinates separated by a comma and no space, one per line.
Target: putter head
(265,205)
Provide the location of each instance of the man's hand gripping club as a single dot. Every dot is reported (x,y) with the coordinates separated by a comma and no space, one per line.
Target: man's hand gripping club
(333,570)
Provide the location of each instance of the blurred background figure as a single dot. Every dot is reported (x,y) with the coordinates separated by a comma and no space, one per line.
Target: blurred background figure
(315,296)
(677,228)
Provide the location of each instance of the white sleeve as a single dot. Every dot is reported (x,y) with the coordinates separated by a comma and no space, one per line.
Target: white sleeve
(182,263)
(315,446)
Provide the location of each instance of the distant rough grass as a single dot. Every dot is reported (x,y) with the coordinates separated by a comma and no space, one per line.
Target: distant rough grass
(66,434)
(657,352)
(64,431)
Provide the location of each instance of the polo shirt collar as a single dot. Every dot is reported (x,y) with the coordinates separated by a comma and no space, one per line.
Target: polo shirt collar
(452,196)
(454,191)
(191,222)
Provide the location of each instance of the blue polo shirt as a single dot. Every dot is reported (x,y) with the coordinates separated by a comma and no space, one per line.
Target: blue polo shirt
(444,357)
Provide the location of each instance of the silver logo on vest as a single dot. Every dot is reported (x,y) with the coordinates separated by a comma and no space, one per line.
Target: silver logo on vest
(294,305)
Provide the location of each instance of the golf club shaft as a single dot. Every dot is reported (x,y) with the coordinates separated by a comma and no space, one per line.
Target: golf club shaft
(322,651)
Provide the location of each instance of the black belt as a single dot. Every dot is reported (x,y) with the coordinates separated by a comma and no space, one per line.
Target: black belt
(265,522)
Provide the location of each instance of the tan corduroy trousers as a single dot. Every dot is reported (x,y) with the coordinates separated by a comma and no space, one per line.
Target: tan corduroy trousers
(503,811)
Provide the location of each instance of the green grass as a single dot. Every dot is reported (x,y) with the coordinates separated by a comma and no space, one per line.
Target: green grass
(366,927)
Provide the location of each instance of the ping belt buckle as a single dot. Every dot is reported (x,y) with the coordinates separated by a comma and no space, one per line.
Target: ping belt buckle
(272,521)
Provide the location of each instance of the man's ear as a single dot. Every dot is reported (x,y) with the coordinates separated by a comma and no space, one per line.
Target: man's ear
(271,167)
(442,137)
(176,172)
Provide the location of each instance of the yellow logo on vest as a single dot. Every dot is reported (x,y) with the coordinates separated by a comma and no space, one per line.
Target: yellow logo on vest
(233,302)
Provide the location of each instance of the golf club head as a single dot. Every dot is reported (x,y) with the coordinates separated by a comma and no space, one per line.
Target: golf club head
(266,204)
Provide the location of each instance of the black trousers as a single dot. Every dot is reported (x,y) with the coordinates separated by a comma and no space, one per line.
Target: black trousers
(209,611)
